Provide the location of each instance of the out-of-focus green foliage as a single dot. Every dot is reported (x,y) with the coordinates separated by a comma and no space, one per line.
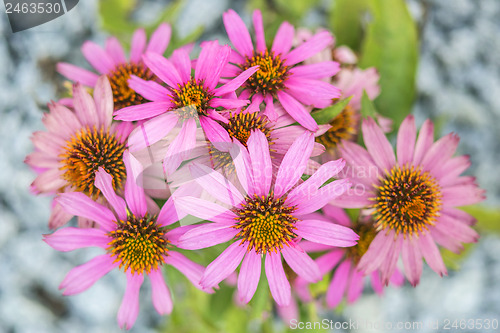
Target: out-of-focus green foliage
(346,21)
(488,218)
(326,115)
(391,46)
(115,18)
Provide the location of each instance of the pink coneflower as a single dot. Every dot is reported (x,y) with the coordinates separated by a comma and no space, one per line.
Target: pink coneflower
(266,220)
(77,144)
(186,98)
(112,62)
(411,199)
(135,237)
(280,77)
(347,280)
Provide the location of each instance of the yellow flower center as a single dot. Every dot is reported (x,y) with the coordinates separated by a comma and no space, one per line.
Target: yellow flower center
(241,125)
(193,98)
(408,201)
(123,95)
(88,150)
(270,77)
(344,127)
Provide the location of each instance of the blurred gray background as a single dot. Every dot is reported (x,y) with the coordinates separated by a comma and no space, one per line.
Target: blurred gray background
(458,83)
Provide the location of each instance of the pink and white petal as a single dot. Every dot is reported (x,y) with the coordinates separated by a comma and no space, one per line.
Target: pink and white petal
(258,148)
(448,172)
(214,132)
(242,164)
(215,115)
(79,204)
(150,90)
(139,40)
(84,276)
(338,285)
(314,45)
(297,111)
(377,144)
(104,182)
(115,51)
(103,98)
(326,233)
(175,234)
(223,265)
(459,215)
(456,229)
(162,300)
(203,209)
(412,260)
(235,83)
(48,143)
(424,141)
(355,286)
(207,235)
(317,70)
(260,41)
(376,283)
(431,254)
(407,136)
(238,33)
(164,69)
(216,184)
(97,57)
(181,147)
(192,271)
(301,263)
(317,199)
(276,277)
(294,163)
(61,121)
(85,108)
(461,195)
(58,216)
(41,159)
(152,131)
(159,39)
(377,252)
(77,74)
(134,194)
(446,241)
(69,239)
(248,278)
(129,308)
(284,39)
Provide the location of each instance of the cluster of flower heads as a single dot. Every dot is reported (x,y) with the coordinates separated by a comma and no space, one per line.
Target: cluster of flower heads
(228,138)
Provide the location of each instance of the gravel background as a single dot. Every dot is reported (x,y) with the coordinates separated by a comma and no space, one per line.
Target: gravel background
(458,83)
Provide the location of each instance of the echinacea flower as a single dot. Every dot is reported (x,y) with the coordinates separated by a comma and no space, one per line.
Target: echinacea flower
(347,281)
(264,222)
(136,239)
(281,77)
(113,63)
(185,100)
(411,199)
(76,145)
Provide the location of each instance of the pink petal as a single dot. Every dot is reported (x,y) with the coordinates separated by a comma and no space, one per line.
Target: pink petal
(215,133)
(79,204)
(207,235)
(192,271)
(260,40)
(242,163)
(317,70)
(143,111)
(440,152)
(84,106)
(238,33)
(159,39)
(314,45)
(362,169)
(203,209)
(235,83)
(129,309)
(355,286)
(41,159)
(104,182)
(262,169)
(301,263)
(449,171)
(164,69)
(284,39)
(278,283)
(431,254)
(138,44)
(294,163)
(180,59)
(297,111)
(249,276)
(103,98)
(389,265)
(150,90)
(181,147)
(311,202)
(115,51)
(77,74)
(329,260)
(162,301)
(456,229)
(461,195)
(223,265)
(84,276)
(459,215)
(270,111)
(377,252)
(97,57)
(134,194)
(337,287)
(48,143)
(406,140)
(61,120)
(49,181)
(211,63)
(58,216)
(312,92)
(69,239)
(228,103)
(152,131)
(337,215)
(377,144)
(412,261)
(424,141)
(326,233)
(377,285)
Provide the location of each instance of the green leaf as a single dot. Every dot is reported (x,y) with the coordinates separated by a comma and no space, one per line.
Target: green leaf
(488,218)
(391,46)
(367,107)
(346,22)
(326,115)
(453,260)
(114,16)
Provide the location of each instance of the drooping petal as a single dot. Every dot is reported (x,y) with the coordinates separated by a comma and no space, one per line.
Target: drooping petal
(223,265)
(134,194)
(260,157)
(104,182)
(412,261)
(207,235)
(276,277)
(79,204)
(301,263)
(249,276)
(389,265)
(69,239)
(338,285)
(326,233)
(431,254)
(297,111)
(129,308)
(77,74)
(162,301)
(377,252)
(355,286)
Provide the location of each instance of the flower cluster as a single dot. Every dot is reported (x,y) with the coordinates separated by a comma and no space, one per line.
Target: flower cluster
(230,140)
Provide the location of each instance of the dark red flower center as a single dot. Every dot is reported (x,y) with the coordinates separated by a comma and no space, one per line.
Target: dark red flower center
(123,95)
(270,77)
